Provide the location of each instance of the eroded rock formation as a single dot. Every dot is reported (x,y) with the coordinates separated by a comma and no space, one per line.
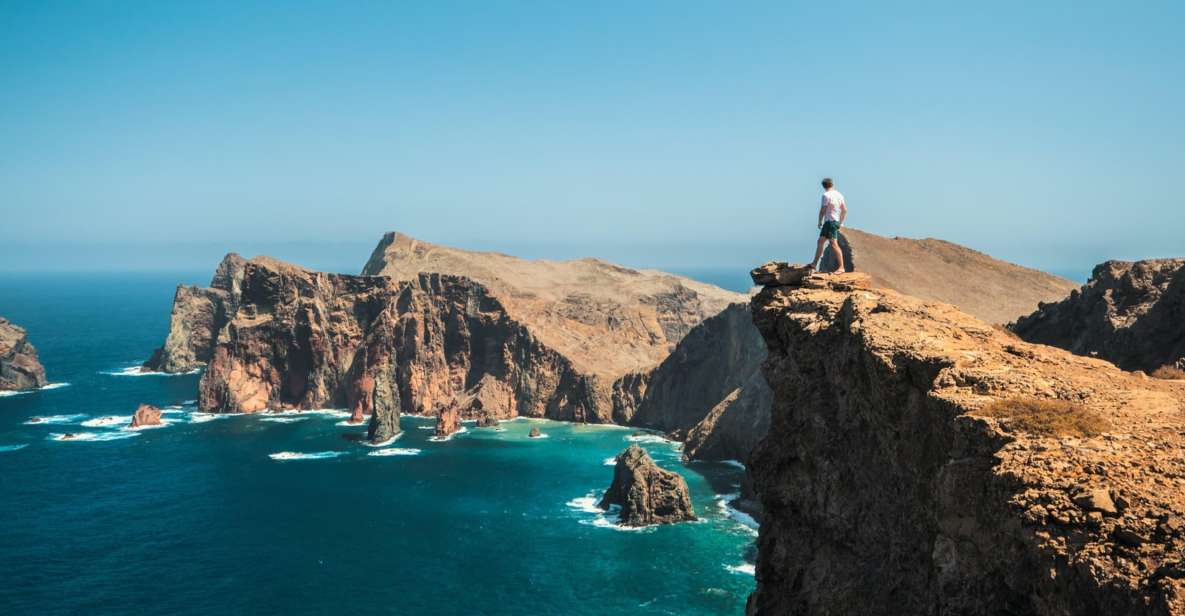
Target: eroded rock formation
(885,492)
(199,314)
(145,415)
(20,368)
(448,421)
(1132,314)
(646,493)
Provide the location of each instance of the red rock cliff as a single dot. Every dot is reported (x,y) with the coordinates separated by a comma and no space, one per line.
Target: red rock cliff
(20,368)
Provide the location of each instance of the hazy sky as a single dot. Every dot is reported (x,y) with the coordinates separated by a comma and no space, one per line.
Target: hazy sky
(674,134)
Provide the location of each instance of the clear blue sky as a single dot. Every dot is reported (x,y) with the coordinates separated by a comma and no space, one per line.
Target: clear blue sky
(674,134)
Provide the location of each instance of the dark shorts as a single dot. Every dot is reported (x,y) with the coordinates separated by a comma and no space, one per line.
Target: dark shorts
(830,230)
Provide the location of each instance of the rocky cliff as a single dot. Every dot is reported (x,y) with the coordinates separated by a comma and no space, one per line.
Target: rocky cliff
(907,469)
(993,290)
(20,368)
(199,314)
(145,415)
(379,347)
(1132,314)
(646,493)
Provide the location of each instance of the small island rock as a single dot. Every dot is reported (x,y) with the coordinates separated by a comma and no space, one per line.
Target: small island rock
(146,415)
(646,493)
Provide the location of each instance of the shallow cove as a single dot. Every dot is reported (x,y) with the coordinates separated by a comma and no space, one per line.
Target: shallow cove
(202,515)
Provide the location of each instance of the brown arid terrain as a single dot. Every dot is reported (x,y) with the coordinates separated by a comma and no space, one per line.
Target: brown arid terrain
(1129,313)
(993,290)
(20,368)
(921,461)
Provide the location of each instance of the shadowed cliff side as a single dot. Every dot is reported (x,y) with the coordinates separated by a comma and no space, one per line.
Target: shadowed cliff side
(199,313)
(890,486)
(1132,314)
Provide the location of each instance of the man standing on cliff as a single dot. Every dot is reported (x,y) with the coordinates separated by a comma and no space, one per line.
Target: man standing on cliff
(831,216)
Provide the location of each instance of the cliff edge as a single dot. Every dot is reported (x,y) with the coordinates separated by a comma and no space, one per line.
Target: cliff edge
(905,473)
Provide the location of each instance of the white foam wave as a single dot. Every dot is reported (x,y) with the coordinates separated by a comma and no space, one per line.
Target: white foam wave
(54,419)
(199,417)
(21,392)
(586,503)
(726,509)
(651,438)
(326,412)
(351,424)
(108,421)
(386,442)
(395,451)
(442,439)
(92,436)
(164,423)
(541,435)
(735,463)
(316,455)
(135,371)
(283,419)
(7,448)
(743,568)
(610,462)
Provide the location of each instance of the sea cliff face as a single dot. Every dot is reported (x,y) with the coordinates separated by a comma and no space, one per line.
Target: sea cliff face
(1131,314)
(20,368)
(887,489)
(379,347)
(199,314)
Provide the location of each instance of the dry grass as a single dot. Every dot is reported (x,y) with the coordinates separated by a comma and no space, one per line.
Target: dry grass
(1045,417)
(1170,372)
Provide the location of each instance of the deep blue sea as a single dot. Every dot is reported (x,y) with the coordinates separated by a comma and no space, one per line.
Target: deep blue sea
(290,514)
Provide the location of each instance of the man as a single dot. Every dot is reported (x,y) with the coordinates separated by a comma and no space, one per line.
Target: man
(831,217)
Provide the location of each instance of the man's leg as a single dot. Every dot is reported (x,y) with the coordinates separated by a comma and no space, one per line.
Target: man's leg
(818,252)
(838,255)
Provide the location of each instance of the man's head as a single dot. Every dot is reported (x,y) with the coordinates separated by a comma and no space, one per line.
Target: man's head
(827,183)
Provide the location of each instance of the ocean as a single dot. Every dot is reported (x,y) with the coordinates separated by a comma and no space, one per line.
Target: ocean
(293,514)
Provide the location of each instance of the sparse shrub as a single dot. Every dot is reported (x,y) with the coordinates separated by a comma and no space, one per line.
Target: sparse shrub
(1045,417)
(1169,372)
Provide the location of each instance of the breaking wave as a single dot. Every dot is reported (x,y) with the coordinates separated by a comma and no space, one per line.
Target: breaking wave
(283,419)
(108,421)
(134,370)
(7,448)
(743,568)
(316,455)
(395,451)
(92,436)
(54,419)
(5,394)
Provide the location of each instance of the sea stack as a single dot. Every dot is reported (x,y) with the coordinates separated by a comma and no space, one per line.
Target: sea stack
(487,421)
(534,433)
(646,493)
(448,421)
(146,415)
(20,370)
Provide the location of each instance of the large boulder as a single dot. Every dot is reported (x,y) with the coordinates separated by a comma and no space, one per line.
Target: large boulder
(646,493)
(20,369)
(1129,313)
(448,421)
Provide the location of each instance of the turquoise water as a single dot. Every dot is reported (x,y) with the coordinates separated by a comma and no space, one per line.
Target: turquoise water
(245,514)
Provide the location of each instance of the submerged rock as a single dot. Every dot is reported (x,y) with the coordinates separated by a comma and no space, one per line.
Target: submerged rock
(20,369)
(487,421)
(146,415)
(646,493)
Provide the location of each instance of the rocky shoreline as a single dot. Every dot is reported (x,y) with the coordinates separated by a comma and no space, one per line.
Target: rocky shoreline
(20,367)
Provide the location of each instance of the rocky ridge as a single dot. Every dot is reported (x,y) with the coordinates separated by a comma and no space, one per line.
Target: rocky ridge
(1129,313)
(199,314)
(646,493)
(886,490)
(20,368)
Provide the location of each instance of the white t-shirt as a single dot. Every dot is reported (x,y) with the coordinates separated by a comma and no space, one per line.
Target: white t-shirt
(833,204)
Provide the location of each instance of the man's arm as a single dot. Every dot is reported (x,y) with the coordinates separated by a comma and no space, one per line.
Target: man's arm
(843,212)
(822,211)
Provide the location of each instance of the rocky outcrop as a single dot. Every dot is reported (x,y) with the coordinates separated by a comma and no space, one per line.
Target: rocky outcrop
(145,415)
(381,347)
(20,368)
(1131,314)
(487,421)
(993,290)
(199,314)
(646,493)
(448,421)
(889,488)
(706,384)
(534,433)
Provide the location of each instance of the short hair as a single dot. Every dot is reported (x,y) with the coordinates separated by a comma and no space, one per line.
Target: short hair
(827,183)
